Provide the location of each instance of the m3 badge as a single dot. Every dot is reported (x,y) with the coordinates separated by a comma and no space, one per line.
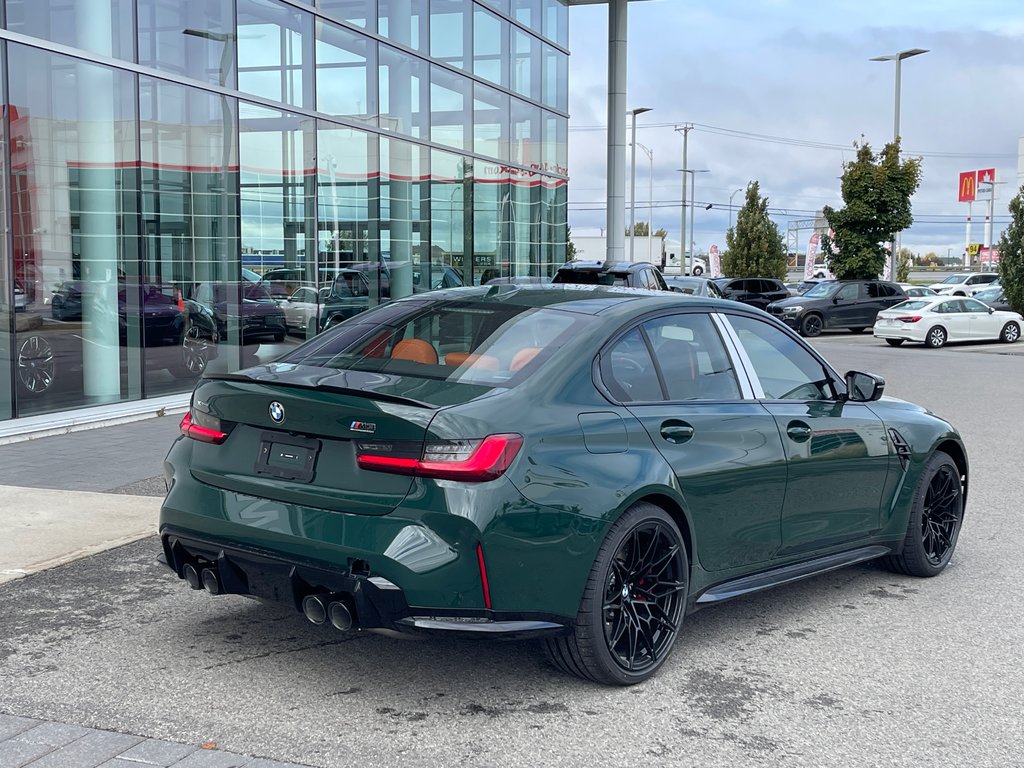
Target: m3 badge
(363,426)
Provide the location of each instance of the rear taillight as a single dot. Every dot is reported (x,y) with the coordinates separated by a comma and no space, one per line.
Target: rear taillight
(204,428)
(466,460)
(909,318)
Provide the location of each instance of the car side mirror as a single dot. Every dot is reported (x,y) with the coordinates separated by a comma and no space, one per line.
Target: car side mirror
(863,387)
(676,289)
(991,310)
(835,299)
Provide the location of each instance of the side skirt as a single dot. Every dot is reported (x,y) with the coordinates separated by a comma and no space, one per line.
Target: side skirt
(788,573)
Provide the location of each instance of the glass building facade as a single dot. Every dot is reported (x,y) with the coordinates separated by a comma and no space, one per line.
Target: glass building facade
(197,185)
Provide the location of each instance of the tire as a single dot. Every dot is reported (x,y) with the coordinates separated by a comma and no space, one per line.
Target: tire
(811,326)
(697,271)
(278,338)
(894,342)
(936,515)
(1010,333)
(936,337)
(625,629)
(858,329)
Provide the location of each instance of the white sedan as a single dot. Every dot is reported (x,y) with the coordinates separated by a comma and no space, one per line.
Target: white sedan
(935,320)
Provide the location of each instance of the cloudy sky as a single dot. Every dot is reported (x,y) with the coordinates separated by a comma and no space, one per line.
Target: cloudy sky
(779,90)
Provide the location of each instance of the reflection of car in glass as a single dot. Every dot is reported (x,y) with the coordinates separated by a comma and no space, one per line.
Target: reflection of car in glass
(20,297)
(261,317)
(934,321)
(162,318)
(519,280)
(583,465)
(303,308)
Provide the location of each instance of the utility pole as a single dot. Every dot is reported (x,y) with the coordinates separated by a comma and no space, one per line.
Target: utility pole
(685,130)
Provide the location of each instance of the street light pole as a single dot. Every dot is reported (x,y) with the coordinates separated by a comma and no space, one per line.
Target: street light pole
(632,182)
(730,205)
(685,130)
(693,186)
(898,58)
(650,196)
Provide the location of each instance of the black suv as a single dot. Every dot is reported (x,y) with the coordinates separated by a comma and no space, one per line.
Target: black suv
(849,304)
(756,291)
(625,274)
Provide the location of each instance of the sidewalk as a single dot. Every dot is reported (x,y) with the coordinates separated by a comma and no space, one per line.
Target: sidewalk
(65,497)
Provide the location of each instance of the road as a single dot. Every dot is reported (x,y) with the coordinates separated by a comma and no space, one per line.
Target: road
(860,667)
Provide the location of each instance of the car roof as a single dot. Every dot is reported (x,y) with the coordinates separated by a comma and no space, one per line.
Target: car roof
(603,266)
(585,299)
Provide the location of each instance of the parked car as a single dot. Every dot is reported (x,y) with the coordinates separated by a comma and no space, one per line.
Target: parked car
(756,291)
(937,320)
(20,297)
(302,310)
(626,274)
(582,465)
(964,283)
(914,291)
(995,297)
(695,286)
(851,304)
(208,307)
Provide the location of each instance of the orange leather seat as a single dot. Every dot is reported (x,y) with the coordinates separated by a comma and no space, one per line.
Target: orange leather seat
(522,358)
(485,362)
(417,350)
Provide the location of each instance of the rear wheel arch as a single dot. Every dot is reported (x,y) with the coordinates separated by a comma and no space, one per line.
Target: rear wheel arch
(675,510)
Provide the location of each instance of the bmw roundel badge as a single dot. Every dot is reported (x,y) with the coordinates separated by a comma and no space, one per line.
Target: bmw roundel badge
(277,412)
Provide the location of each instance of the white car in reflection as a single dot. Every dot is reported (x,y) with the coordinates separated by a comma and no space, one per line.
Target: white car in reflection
(935,320)
(303,308)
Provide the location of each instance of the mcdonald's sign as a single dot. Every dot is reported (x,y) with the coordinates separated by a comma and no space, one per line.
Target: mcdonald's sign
(968,186)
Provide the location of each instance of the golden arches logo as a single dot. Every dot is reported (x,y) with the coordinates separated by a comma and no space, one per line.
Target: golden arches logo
(968,186)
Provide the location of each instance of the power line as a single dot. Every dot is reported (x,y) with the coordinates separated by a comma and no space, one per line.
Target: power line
(795,142)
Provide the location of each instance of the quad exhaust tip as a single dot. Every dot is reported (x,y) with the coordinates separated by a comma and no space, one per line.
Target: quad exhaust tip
(191,575)
(321,608)
(210,581)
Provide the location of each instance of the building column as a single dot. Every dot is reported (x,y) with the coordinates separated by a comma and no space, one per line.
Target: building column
(97,204)
(616,205)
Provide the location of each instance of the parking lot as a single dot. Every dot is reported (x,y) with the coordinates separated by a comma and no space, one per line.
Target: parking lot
(858,667)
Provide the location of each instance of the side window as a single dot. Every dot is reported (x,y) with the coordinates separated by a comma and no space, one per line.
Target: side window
(887,291)
(628,371)
(786,370)
(874,290)
(948,307)
(658,280)
(970,305)
(692,358)
(849,292)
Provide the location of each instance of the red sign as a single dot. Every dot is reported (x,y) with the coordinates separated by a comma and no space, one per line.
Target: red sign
(968,186)
(987,176)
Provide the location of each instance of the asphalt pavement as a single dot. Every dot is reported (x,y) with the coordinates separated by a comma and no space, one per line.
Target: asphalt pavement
(107,659)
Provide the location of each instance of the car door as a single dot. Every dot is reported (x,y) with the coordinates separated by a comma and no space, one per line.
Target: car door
(723,446)
(846,310)
(952,317)
(837,452)
(981,323)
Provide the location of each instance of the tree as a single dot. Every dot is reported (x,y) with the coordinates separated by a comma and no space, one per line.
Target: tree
(641,228)
(1011,254)
(904,258)
(570,246)
(755,247)
(876,191)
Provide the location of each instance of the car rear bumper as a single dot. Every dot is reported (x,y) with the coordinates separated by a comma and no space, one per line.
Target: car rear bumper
(371,601)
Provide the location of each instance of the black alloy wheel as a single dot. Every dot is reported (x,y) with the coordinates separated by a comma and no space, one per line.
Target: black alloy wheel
(935,519)
(1010,333)
(195,351)
(811,326)
(634,602)
(936,337)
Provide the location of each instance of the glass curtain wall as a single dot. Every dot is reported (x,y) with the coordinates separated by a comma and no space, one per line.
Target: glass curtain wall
(257,171)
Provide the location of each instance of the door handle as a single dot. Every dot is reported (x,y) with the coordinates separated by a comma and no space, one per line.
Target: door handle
(798,432)
(674,432)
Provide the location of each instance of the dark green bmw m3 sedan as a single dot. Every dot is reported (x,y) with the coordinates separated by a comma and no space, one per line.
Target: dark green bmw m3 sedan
(579,464)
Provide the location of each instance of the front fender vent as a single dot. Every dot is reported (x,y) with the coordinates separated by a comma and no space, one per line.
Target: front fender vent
(902,448)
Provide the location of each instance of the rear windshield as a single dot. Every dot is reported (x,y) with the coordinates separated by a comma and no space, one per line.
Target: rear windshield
(470,342)
(589,277)
(910,305)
